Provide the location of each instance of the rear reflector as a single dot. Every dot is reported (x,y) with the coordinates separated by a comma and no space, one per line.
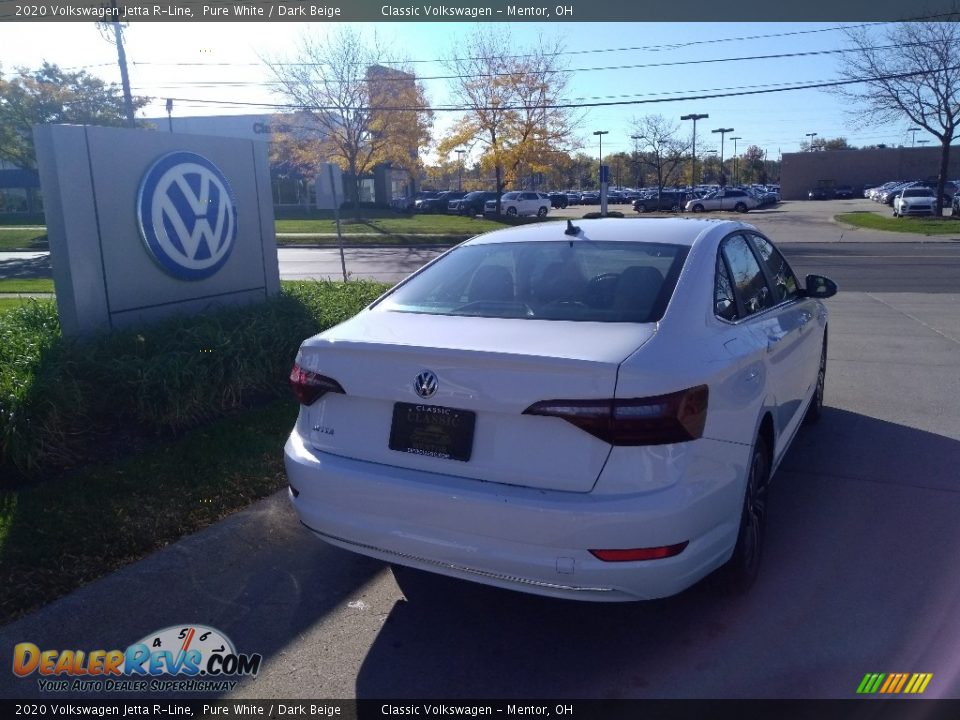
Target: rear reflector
(658,420)
(654,553)
(309,386)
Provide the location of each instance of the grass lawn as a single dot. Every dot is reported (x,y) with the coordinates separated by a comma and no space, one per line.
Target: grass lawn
(62,533)
(397,225)
(172,451)
(9,303)
(26,285)
(922,225)
(14,238)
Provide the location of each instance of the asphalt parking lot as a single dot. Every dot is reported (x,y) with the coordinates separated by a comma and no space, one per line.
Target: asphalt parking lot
(859,572)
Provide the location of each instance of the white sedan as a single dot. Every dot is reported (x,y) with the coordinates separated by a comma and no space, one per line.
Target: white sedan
(592,411)
(724,199)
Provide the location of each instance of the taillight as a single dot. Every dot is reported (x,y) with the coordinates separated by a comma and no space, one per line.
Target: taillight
(309,386)
(660,420)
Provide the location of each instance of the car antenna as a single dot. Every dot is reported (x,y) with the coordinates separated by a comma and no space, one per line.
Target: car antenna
(571,228)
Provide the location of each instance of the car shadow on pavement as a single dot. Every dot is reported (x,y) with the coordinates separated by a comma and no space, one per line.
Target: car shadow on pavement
(862,524)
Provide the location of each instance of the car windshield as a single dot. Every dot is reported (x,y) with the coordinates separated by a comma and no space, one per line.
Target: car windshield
(579,280)
(918,192)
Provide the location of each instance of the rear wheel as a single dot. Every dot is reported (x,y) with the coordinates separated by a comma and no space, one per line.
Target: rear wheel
(744,566)
(740,207)
(512,211)
(698,208)
(542,212)
(641,208)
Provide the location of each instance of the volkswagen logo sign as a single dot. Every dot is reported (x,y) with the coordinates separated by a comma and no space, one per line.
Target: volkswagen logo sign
(426,384)
(187,215)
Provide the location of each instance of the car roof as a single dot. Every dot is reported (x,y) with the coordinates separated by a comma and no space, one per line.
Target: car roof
(671,231)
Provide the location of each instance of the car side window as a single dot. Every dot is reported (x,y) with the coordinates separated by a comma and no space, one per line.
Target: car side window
(785,285)
(749,282)
(724,301)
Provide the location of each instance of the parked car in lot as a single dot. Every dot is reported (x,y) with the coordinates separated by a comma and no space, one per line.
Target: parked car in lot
(472,203)
(820,193)
(573,198)
(409,203)
(558,200)
(438,203)
(583,412)
(915,200)
(590,197)
(520,203)
(672,200)
(843,192)
(724,199)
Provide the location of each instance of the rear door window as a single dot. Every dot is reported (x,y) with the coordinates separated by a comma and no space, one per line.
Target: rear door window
(752,292)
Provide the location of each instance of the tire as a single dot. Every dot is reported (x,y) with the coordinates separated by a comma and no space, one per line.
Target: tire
(740,207)
(744,567)
(698,208)
(641,208)
(815,411)
(511,211)
(542,212)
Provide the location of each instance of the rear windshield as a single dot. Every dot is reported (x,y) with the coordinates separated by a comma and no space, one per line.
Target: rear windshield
(580,281)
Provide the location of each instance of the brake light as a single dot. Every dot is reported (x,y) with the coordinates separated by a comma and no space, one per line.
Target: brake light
(659,420)
(654,553)
(309,386)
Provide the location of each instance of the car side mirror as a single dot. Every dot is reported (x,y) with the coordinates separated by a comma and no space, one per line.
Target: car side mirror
(819,286)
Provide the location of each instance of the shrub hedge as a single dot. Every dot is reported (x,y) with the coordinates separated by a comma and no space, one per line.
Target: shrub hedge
(63,403)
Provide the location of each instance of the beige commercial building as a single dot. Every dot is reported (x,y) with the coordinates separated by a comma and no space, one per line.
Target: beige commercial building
(802,171)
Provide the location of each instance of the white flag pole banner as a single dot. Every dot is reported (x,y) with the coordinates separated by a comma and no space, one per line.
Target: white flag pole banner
(143,225)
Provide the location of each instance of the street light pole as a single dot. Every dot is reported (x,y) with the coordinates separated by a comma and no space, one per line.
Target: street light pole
(636,159)
(914,131)
(811,136)
(459,169)
(603,195)
(723,132)
(736,164)
(693,155)
(170,113)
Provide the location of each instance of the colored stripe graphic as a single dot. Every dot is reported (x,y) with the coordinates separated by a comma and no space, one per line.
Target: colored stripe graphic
(894,683)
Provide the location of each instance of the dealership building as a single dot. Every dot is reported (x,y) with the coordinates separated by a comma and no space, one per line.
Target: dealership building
(800,172)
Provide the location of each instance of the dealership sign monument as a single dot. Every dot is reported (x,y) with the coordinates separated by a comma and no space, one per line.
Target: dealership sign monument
(143,224)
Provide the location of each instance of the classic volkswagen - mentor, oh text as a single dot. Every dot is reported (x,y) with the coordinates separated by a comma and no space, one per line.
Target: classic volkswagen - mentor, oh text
(589,411)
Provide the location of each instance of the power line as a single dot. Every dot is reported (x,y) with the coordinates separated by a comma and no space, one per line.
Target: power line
(712,95)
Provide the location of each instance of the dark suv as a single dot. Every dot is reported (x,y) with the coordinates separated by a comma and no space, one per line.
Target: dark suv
(672,200)
(472,203)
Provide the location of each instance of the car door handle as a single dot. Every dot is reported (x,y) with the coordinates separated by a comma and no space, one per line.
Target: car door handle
(772,340)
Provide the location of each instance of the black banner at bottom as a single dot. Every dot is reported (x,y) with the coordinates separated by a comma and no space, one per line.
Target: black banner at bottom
(860,709)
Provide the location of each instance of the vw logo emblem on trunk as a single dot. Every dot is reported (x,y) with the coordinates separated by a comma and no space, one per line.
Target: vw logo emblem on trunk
(187,215)
(426,384)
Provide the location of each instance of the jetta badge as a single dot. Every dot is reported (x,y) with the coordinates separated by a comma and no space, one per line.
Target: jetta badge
(426,384)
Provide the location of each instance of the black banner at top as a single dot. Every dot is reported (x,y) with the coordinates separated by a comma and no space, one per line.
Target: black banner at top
(545,11)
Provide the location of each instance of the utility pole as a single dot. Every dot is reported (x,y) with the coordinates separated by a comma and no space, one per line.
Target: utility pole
(122,60)
(693,155)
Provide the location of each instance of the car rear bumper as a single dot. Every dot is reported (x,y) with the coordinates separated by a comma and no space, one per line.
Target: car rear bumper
(512,537)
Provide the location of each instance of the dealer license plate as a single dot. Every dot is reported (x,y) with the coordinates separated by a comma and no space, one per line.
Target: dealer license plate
(433,431)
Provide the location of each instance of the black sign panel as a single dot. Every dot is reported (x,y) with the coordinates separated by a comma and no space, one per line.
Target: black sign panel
(432,431)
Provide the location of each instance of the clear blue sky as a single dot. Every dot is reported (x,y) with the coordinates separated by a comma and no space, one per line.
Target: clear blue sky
(228,68)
